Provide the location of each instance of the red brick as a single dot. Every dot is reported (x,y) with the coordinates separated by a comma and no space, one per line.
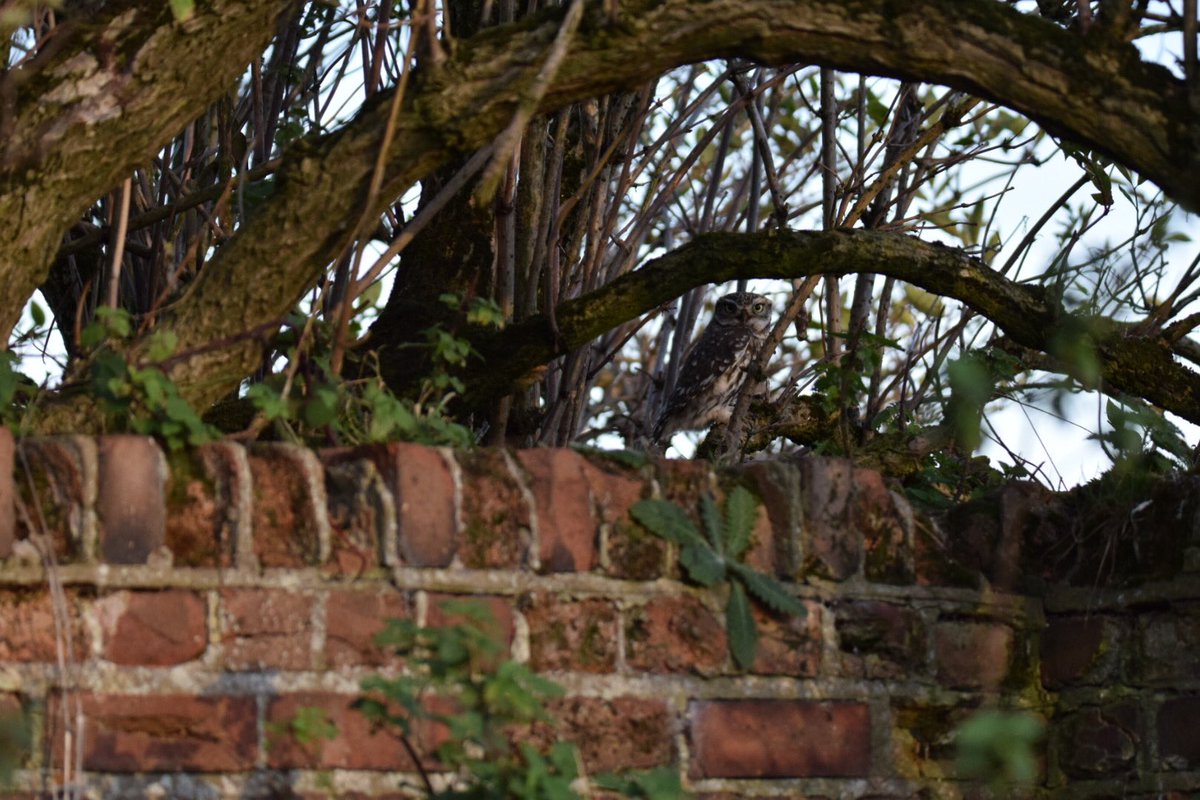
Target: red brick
(675,634)
(8,532)
(360,512)
(496,525)
(27,627)
(566,522)
(1102,742)
(204,504)
(144,733)
(355,746)
(352,621)
(152,628)
(130,501)
(884,521)
(289,505)
(880,640)
(1071,646)
(622,733)
(780,739)
(789,645)
(576,635)
(423,489)
(58,488)
(775,549)
(832,546)
(266,629)
(972,655)
(629,550)
(1178,744)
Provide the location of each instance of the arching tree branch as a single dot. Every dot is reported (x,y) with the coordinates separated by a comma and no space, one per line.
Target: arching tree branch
(1135,364)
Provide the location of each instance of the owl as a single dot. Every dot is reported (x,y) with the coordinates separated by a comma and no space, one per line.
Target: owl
(715,367)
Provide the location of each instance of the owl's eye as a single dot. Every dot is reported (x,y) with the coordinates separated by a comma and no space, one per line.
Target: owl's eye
(758,308)
(727,305)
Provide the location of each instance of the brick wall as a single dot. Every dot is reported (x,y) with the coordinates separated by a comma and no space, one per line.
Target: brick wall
(199,601)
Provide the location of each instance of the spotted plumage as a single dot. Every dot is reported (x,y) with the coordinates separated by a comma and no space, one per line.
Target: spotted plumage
(715,367)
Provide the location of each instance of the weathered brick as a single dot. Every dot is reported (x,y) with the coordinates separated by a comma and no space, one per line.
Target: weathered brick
(57,483)
(831,546)
(675,634)
(885,522)
(152,628)
(972,655)
(355,745)
(575,635)
(788,645)
(353,618)
(423,491)
(779,739)
(142,733)
(566,521)
(8,525)
(1071,649)
(289,506)
(1171,645)
(629,551)
(27,626)
(880,640)
(776,550)
(923,737)
(362,512)
(1099,742)
(266,629)
(937,562)
(496,526)
(621,733)
(204,507)
(15,729)
(1177,724)
(130,500)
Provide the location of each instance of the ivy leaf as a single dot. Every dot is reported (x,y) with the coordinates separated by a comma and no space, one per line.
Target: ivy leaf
(741,509)
(768,591)
(183,10)
(321,408)
(666,520)
(739,624)
(714,526)
(703,565)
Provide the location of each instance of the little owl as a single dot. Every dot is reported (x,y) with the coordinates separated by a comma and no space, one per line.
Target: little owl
(715,367)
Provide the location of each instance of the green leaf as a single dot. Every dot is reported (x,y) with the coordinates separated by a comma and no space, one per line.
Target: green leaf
(39,316)
(666,520)
(321,408)
(183,9)
(267,399)
(741,510)
(703,565)
(768,591)
(162,345)
(714,526)
(739,625)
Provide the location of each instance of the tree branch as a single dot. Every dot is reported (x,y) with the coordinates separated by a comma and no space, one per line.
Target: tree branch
(1138,365)
(1093,91)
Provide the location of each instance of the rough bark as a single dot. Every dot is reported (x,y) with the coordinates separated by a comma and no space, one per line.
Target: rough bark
(108,91)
